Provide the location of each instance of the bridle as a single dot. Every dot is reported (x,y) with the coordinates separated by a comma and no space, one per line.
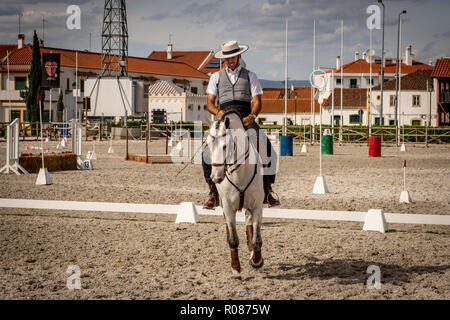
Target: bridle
(238,163)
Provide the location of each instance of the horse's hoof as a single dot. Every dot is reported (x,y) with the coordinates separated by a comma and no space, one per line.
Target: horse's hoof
(258,264)
(236,275)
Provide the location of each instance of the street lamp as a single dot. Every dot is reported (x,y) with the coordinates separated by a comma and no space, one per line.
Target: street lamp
(397,77)
(382,67)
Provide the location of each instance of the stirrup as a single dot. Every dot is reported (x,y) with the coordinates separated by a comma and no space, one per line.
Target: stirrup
(266,201)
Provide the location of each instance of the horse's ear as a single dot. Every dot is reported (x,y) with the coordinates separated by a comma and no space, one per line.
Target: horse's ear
(227,123)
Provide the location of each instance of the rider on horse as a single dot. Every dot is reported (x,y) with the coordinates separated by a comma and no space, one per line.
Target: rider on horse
(238,89)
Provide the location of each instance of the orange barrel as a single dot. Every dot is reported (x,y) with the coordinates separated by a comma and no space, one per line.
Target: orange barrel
(374,146)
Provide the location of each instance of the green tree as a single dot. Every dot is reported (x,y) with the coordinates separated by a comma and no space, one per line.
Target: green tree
(31,93)
(60,107)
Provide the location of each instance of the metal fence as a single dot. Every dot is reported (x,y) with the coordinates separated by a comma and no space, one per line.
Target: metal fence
(308,133)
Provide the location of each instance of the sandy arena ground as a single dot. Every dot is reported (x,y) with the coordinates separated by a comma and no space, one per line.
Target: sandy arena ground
(148,256)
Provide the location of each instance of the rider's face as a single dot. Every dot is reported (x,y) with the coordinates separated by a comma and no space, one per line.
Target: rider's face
(233,62)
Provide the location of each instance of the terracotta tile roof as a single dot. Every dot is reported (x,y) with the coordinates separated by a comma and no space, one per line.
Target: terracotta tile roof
(351,98)
(413,81)
(92,60)
(4,48)
(441,68)
(293,105)
(361,65)
(274,93)
(193,58)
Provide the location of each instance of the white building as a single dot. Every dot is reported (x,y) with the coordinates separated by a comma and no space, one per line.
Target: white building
(360,72)
(168,102)
(416,101)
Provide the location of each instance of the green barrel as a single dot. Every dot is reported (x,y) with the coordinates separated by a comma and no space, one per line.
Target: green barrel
(327,144)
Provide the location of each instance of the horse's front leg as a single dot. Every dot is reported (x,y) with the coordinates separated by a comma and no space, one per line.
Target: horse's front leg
(254,233)
(233,240)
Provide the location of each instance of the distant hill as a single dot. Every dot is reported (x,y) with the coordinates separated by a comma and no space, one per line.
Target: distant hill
(280,84)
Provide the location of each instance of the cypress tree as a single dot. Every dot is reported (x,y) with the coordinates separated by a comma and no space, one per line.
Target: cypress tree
(34,83)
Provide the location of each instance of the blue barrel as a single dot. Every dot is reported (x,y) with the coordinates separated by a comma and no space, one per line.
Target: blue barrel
(65,129)
(286,146)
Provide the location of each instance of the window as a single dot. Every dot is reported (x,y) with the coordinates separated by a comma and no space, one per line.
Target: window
(392,100)
(337,120)
(391,122)
(416,122)
(354,118)
(199,108)
(67,84)
(20,83)
(353,83)
(14,114)
(368,81)
(190,107)
(146,90)
(416,101)
(338,80)
(204,108)
(82,86)
(194,90)
(377,121)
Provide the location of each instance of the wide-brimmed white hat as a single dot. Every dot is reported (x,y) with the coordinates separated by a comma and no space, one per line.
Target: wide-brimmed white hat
(231,49)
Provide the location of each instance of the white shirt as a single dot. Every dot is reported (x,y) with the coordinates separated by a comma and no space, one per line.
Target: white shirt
(255,86)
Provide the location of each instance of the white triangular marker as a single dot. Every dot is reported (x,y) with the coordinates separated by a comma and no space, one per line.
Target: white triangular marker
(43,177)
(405,197)
(111,150)
(304,150)
(403,148)
(375,221)
(320,186)
(187,213)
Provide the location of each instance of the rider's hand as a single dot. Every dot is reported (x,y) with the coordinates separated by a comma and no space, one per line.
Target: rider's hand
(219,114)
(248,120)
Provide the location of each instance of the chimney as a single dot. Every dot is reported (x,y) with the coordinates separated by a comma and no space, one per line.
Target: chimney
(356,55)
(169,51)
(338,62)
(41,42)
(20,40)
(364,56)
(409,56)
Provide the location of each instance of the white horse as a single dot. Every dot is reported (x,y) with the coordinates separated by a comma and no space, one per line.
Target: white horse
(237,173)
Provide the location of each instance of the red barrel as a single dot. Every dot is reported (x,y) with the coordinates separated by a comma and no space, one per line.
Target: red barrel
(374,146)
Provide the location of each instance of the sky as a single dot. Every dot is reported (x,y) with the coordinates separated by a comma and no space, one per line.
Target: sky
(260,24)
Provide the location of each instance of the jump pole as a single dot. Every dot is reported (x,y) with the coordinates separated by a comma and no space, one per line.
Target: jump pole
(43,176)
(146,145)
(126,147)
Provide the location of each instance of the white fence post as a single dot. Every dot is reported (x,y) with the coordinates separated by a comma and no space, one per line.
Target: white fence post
(12,150)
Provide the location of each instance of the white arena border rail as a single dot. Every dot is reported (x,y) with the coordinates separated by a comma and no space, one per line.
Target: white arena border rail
(351,216)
